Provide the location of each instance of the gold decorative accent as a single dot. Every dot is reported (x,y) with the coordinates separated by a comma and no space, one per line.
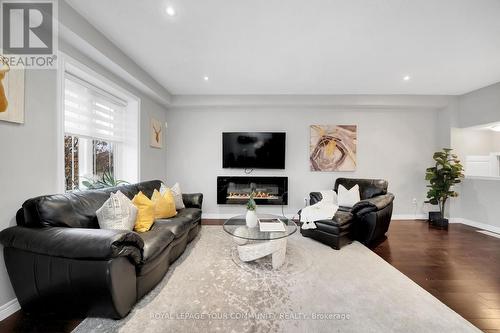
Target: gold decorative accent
(3,70)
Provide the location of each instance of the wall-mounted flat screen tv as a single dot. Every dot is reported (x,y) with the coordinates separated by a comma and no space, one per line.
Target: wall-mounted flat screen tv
(253,150)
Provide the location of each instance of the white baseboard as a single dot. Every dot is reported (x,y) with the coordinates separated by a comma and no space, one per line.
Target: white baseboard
(409,217)
(394,217)
(9,308)
(475,224)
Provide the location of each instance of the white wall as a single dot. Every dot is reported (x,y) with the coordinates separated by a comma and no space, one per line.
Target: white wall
(395,144)
(28,152)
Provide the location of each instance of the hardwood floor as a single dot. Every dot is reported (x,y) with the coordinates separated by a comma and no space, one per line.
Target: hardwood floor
(460,267)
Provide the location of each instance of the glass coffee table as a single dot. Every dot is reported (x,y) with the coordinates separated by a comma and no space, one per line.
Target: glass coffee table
(254,244)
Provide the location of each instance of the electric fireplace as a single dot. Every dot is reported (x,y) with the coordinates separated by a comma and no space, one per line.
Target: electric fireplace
(237,190)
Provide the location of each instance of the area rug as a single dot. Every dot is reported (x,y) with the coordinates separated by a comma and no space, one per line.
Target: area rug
(318,289)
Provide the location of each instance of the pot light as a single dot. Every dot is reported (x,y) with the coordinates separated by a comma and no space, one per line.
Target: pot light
(205,78)
(170,11)
(495,128)
(407,78)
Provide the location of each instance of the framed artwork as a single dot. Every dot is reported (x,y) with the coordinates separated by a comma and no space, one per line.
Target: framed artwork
(156,133)
(11,94)
(333,147)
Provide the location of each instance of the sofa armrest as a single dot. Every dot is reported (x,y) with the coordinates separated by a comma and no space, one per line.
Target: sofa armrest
(192,200)
(315,197)
(374,204)
(75,243)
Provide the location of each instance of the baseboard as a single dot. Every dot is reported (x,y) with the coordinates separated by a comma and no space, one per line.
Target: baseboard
(9,308)
(475,224)
(409,217)
(217,216)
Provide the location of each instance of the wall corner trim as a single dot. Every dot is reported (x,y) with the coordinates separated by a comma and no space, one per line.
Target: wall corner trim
(9,308)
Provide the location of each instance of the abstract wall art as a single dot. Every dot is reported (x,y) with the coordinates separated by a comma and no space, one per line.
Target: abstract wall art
(156,134)
(333,147)
(11,93)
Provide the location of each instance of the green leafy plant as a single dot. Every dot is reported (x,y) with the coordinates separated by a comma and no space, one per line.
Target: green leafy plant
(251,205)
(107,180)
(442,177)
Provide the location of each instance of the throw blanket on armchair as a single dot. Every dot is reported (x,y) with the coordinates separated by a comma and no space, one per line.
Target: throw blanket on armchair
(322,210)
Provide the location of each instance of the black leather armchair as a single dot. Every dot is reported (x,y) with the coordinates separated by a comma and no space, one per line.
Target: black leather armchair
(59,261)
(367,221)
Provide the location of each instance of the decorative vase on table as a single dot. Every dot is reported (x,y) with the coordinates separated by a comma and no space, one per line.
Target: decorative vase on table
(251,217)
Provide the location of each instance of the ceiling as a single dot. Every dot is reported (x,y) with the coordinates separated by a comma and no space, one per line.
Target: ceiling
(267,47)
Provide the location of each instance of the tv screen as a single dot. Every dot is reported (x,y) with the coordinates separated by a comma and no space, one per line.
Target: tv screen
(253,150)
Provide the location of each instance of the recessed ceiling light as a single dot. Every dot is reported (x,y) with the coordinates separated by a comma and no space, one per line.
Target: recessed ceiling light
(407,78)
(495,128)
(205,78)
(170,11)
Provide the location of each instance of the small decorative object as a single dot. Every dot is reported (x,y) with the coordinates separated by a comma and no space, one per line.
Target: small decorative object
(106,180)
(446,173)
(11,93)
(333,148)
(156,133)
(251,217)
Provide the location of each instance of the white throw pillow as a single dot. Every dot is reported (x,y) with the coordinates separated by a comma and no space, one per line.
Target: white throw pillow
(348,198)
(118,212)
(177,192)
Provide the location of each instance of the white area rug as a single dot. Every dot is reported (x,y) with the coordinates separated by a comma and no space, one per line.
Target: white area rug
(317,290)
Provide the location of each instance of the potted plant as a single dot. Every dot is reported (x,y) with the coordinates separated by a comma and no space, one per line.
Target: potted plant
(251,217)
(106,180)
(446,173)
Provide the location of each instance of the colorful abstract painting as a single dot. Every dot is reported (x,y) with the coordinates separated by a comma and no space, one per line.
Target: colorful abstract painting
(333,147)
(11,93)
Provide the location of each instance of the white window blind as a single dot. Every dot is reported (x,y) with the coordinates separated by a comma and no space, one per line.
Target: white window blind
(92,112)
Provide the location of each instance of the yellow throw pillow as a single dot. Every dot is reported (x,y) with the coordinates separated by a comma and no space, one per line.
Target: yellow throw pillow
(145,212)
(164,204)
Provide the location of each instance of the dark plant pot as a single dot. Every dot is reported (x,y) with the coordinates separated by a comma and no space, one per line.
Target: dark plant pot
(439,223)
(434,216)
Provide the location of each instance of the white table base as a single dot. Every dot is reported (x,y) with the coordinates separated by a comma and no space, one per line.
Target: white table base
(254,251)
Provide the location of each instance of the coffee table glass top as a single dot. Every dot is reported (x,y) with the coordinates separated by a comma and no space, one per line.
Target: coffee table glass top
(236,226)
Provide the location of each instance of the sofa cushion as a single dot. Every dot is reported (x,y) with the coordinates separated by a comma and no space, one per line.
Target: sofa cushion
(74,209)
(178,225)
(341,221)
(155,241)
(368,188)
(193,214)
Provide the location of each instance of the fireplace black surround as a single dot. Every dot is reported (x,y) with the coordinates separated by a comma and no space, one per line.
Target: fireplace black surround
(268,190)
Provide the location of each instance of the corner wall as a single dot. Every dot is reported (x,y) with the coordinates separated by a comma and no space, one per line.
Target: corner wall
(479,198)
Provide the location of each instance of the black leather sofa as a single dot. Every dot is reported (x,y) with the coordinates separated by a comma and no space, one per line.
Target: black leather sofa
(367,221)
(59,261)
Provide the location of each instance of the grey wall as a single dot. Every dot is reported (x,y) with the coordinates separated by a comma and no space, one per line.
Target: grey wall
(28,156)
(28,164)
(395,144)
(479,199)
(480,106)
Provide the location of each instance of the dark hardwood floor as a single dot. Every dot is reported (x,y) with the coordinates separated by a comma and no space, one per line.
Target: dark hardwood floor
(460,267)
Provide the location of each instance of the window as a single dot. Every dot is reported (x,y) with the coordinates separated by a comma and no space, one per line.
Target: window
(95,132)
